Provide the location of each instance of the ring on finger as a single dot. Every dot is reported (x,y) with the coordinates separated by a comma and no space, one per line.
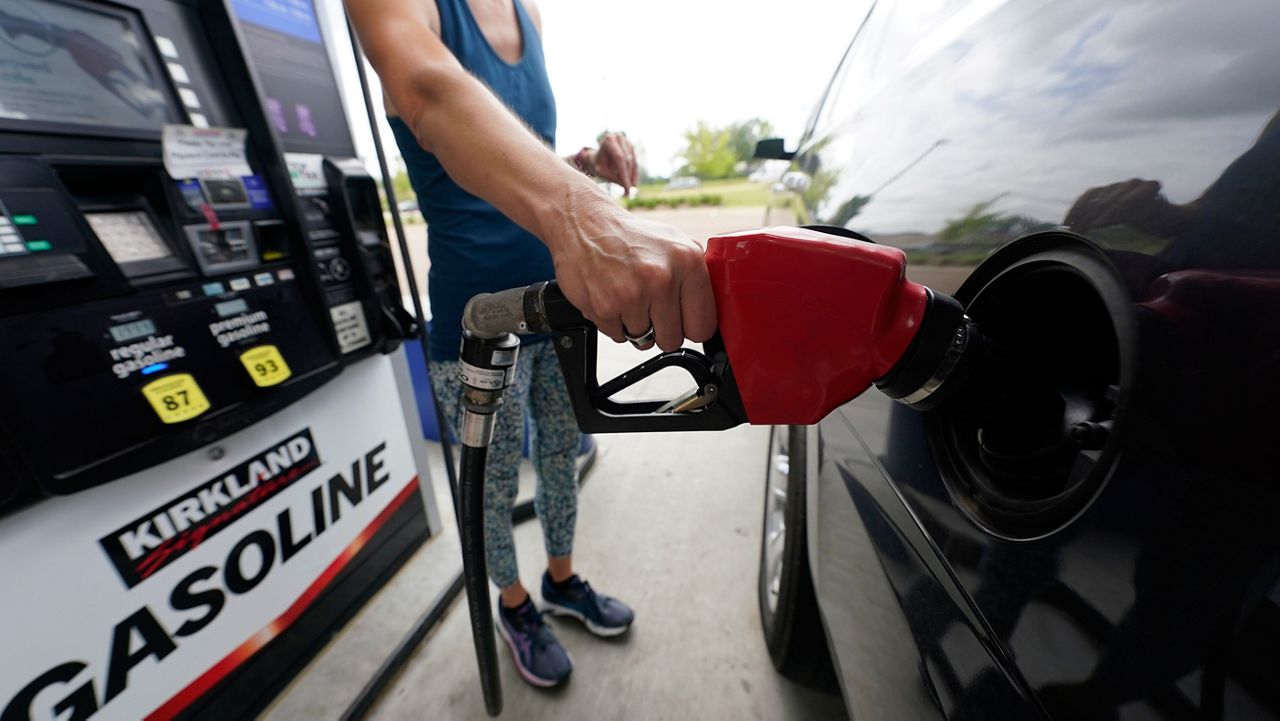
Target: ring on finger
(641,341)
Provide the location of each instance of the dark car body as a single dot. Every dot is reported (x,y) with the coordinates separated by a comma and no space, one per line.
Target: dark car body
(974,134)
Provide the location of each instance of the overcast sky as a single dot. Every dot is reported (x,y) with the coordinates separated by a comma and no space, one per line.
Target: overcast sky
(654,68)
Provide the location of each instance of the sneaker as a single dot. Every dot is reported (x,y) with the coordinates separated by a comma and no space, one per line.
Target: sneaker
(539,657)
(602,615)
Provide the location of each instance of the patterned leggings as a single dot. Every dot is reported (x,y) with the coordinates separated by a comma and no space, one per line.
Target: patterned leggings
(539,388)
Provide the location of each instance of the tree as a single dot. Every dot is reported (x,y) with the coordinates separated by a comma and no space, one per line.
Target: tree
(849,210)
(712,153)
(400,182)
(744,135)
(708,154)
(982,227)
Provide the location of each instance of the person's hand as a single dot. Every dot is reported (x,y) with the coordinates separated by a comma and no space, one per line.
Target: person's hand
(615,161)
(627,275)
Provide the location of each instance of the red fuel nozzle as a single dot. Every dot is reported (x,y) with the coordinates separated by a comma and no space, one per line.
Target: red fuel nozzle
(810,319)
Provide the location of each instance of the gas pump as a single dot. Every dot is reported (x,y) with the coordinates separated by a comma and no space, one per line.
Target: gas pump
(206,463)
(339,204)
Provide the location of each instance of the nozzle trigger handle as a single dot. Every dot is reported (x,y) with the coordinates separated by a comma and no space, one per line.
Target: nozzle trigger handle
(714,403)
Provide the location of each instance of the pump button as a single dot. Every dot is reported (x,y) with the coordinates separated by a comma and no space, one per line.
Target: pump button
(176,398)
(339,268)
(265,365)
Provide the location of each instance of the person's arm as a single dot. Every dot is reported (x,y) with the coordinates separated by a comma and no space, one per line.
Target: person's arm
(619,270)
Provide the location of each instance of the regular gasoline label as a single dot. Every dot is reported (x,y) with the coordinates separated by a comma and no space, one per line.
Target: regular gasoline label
(176,398)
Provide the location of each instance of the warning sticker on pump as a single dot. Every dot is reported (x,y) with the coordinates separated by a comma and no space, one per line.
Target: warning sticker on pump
(349,324)
(205,153)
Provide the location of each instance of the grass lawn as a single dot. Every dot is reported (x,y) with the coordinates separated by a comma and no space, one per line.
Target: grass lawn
(738,192)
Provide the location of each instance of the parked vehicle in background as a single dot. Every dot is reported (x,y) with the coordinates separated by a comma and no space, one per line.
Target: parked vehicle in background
(1102,182)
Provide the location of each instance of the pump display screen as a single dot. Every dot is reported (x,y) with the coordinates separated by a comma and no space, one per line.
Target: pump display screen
(228,308)
(126,332)
(65,64)
(288,52)
(129,236)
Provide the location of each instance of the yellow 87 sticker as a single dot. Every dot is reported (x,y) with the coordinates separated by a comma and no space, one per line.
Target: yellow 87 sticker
(265,365)
(176,398)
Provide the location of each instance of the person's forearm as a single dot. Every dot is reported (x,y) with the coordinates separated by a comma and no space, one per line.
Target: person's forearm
(488,152)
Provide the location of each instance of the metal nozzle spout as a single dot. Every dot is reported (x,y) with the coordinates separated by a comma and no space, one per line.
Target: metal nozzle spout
(538,308)
(953,365)
(490,315)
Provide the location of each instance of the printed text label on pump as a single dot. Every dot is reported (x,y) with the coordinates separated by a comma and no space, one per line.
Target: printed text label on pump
(176,398)
(265,365)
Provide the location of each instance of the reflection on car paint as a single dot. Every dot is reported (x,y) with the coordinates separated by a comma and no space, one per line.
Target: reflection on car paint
(1151,129)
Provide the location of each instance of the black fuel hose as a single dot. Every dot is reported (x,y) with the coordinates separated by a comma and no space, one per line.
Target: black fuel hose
(434,615)
(486,367)
(476,573)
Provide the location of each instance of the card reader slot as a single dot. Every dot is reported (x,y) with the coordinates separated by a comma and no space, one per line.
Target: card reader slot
(227,248)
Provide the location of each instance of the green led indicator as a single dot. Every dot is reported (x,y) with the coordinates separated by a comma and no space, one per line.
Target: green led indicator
(39,245)
(24,220)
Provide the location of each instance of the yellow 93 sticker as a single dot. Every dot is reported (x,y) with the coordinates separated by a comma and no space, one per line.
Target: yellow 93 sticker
(176,398)
(265,365)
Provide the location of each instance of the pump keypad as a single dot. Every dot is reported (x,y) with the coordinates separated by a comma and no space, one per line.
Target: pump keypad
(10,241)
(176,398)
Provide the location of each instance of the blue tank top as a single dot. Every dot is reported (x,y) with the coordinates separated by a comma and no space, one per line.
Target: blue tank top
(472,246)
